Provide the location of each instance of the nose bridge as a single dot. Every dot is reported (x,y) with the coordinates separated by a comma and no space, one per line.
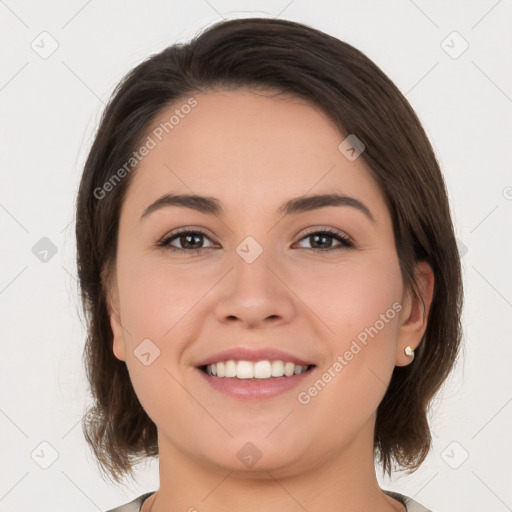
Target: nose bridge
(252,267)
(254,292)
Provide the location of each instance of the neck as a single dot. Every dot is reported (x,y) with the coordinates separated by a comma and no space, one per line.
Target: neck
(345,477)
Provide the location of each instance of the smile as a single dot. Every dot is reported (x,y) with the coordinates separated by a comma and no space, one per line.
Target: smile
(247,387)
(255,370)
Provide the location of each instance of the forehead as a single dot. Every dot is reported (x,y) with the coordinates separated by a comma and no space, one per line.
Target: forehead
(247,148)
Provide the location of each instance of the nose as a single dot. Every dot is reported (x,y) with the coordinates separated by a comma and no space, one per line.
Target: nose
(255,294)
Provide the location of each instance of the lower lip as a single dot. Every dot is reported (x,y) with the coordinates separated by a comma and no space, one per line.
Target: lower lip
(248,389)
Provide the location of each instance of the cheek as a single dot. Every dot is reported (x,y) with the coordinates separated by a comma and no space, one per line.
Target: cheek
(350,296)
(360,305)
(157,299)
(157,304)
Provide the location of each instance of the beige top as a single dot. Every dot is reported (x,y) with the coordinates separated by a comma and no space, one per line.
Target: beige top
(410,504)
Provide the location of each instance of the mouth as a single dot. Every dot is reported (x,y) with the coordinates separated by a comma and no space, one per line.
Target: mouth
(254,381)
(254,371)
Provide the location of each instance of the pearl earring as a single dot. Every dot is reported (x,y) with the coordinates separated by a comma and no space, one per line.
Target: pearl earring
(410,352)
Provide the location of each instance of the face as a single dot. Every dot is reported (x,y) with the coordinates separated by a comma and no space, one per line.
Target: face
(258,278)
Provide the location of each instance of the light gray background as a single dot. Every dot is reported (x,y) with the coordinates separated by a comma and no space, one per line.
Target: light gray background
(50,108)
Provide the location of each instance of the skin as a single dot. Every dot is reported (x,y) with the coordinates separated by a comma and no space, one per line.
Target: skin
(253,152)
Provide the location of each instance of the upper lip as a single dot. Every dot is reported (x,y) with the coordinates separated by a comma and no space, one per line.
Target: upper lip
(253,354)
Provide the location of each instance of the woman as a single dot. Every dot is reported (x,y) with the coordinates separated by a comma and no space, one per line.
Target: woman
(270,275)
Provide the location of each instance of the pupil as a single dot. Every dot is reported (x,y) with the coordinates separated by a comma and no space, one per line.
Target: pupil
(321,237)
(187,238)
(315,238)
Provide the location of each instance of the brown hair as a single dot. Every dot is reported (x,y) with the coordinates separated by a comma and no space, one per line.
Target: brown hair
(348,87)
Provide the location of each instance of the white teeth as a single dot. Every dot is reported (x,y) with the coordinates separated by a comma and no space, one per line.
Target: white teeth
(277,368)
(289,369)
(262,370)
(259,370)
(230,369)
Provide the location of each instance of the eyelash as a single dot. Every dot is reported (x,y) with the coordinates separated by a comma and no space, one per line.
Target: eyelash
(346,243)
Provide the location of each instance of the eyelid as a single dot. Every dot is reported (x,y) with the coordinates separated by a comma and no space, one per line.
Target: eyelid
(329,230)
(344,241)
(182,229)
(309,231)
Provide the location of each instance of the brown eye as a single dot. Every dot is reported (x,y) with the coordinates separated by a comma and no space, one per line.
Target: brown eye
(188,241)
(321,241)
(192,241)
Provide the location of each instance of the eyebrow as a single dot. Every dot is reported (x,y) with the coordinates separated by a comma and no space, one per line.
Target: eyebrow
(212,206)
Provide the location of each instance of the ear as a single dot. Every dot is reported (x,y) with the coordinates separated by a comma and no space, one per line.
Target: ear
(112,295)
(413,316)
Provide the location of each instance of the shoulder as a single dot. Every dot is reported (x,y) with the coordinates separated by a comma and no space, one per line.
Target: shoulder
(133,506)
(410,504)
